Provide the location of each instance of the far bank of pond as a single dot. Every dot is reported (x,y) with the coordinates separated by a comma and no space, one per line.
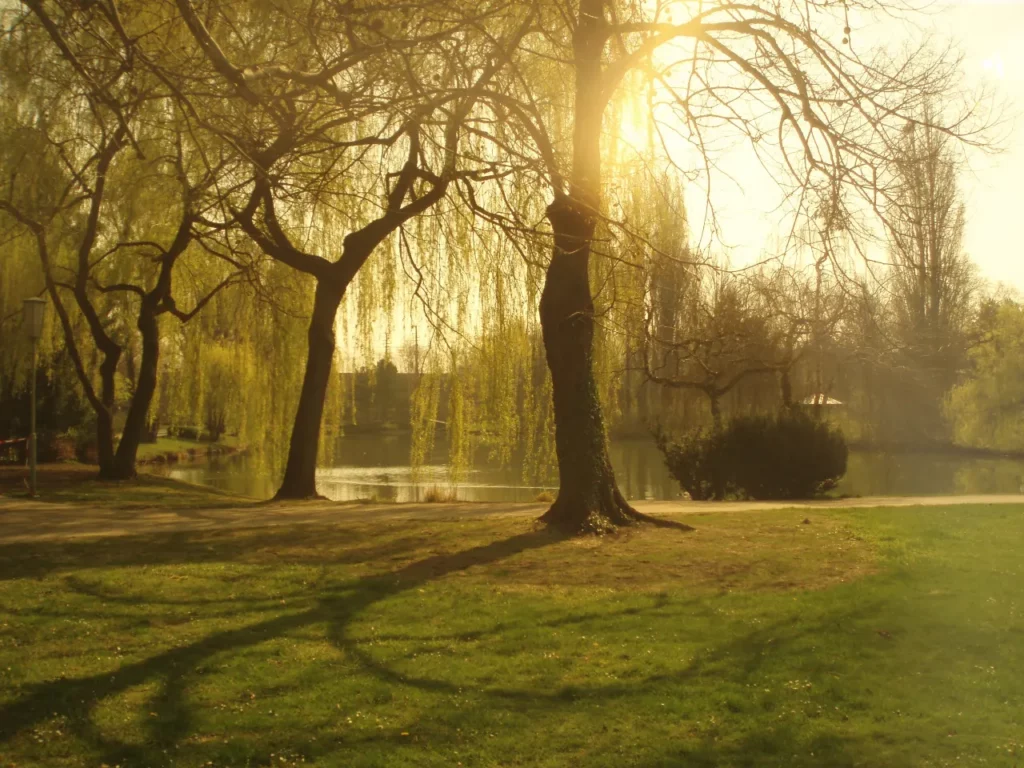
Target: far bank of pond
(377,467)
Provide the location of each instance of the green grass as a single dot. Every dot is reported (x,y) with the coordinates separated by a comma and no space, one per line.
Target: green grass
(77,484)
(180,446)
(889,637)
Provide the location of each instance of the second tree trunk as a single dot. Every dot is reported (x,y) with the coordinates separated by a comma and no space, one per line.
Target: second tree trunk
(300,472)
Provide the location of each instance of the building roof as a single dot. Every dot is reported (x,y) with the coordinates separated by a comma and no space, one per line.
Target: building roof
(820,399)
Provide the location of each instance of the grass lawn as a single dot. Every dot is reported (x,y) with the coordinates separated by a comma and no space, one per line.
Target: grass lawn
(73,483)
(886,637)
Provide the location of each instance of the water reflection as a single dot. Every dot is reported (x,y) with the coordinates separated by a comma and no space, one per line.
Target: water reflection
(923,474)
(376,467)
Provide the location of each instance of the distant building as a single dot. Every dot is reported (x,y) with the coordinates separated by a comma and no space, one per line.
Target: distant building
(820,399)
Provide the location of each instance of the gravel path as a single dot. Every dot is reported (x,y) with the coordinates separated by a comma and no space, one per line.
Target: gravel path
(24,520)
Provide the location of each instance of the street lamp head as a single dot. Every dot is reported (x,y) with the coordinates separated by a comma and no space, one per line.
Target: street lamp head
(33,309)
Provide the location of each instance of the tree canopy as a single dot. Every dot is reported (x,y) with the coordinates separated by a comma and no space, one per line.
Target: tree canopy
(203,183)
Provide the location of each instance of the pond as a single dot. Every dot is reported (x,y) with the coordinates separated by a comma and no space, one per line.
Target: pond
(377,467)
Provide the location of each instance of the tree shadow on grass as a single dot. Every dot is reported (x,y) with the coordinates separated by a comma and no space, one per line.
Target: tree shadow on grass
(76,699)
(739,663)
(171,722)
(314,543)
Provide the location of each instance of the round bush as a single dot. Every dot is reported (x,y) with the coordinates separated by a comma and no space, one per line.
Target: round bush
(789,456)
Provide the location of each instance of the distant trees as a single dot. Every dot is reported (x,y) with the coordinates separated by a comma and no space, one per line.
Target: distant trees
(933,282)
(720,339)
(903,334)
(809,312)
(987,408)
(933,278)
(380,396)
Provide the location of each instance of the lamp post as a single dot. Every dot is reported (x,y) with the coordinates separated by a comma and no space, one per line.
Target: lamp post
(33,309)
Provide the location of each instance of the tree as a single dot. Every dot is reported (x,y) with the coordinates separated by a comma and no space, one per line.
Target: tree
(987,410)
(722,340)
(86,181)
(652,293)
(776,75)
(806,311)
(933,280)
(407,95)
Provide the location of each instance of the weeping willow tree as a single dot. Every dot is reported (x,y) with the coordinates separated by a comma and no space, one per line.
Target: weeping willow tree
(101,178)
(242,357)
(475,291)
(477,284)
(18,280)
(340,158)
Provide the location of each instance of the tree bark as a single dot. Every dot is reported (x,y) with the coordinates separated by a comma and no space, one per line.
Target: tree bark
(588,497)
(105,413)
(123,465)
(300,472)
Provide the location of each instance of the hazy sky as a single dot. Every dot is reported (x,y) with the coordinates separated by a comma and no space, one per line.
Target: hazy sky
(991,36)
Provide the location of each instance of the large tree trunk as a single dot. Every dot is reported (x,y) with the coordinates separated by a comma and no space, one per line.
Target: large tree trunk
(123,465)
(300,472)
(588,499)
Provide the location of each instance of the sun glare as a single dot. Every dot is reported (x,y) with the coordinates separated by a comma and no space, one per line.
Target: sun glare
(994,66)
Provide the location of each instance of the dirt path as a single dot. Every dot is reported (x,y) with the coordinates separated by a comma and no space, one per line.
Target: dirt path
(24,520)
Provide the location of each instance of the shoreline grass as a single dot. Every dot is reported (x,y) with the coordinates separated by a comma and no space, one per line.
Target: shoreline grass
(73,483)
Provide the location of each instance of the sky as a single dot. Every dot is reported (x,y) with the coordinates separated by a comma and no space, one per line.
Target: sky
(992,38)
(990,34)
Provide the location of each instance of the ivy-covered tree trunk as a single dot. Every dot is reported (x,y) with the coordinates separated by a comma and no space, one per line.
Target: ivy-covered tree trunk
(135,425)
(588,498)
(300,472)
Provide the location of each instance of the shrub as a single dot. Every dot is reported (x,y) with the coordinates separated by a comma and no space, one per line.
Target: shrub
(789,456)
(185,433)
(693,461)
(435,495)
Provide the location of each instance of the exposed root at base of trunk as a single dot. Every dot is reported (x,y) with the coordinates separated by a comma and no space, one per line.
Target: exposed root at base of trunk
(287,495)
(574,517)
(116,475)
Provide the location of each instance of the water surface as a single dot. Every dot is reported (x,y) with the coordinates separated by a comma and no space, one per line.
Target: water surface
(377,467)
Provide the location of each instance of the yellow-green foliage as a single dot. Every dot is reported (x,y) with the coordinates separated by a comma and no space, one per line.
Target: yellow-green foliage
(986,409)
(19,279)
(538,420)
(484,362)
(425,401)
